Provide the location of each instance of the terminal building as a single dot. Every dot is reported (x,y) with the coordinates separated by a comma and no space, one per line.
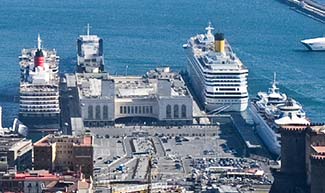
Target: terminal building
(59,153)
(159,96)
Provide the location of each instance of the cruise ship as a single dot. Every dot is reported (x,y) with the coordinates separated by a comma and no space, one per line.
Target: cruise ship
(271,110)
(216,75)
(315,44)
(39,107)
(90,57)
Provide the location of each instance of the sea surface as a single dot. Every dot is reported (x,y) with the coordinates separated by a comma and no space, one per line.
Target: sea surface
(144,34)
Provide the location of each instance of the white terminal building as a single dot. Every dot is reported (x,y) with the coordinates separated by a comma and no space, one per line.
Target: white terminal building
(159,95)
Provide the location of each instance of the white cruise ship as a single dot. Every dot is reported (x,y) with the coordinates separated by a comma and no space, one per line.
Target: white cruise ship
(273,109)
(315,44)
(215,73)
(90,57)
(39,107)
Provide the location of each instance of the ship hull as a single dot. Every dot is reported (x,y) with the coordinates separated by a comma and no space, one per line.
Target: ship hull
(41,122)
(316,44)
(265,132)
(314,47)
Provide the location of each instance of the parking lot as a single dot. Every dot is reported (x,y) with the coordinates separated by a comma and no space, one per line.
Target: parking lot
(173,153)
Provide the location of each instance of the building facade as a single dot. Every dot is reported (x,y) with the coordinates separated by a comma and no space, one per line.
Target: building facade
(63,152)
(159,95)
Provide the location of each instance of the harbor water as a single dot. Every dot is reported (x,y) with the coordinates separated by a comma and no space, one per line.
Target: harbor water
(140,35)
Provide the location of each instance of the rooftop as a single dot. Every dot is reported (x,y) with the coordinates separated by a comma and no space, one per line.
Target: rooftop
(50,139)
(319,129)
(155,83)
(319,149)
(8,143)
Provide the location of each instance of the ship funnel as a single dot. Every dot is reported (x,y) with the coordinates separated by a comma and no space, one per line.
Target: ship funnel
(219,42)
(39,56)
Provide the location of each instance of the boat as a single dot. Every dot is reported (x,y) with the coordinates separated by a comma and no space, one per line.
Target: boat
(271,110)
(90,57)
(215,74)
(39,107)
(315,44)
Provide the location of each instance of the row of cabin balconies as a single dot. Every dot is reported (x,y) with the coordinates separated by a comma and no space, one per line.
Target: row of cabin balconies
(39,106)
(36,92)
(36,99)
(52,85)
(39,102)
(53,110)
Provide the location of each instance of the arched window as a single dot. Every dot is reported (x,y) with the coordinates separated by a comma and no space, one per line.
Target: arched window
(176,111)
(97,112)
(105,112)
(169,111)
(90,112)
(183,111)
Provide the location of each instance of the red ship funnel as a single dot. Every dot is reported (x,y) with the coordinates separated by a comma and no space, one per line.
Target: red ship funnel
(39,58)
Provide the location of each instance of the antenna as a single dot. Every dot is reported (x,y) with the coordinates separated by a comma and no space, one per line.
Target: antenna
(39,41)
(126,70)
(209,28)
(88,29)
(274,81)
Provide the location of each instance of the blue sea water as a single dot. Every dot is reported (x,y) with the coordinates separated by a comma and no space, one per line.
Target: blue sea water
(144,34)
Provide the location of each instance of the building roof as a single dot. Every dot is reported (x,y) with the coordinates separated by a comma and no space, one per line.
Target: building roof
(319,129)
(7,143)
(319,149)
(85,140)
(154,84)
(318,152)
